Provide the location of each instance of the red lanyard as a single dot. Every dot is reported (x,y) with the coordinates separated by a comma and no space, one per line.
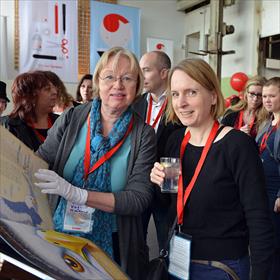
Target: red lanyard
(240,121)
(266,136)
(41,137)
(181,201)
(105,157)
(159,113)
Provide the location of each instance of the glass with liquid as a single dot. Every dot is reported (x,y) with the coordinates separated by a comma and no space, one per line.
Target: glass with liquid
(172,171)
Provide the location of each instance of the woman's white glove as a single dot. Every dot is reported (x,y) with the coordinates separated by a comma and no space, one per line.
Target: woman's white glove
(54,184)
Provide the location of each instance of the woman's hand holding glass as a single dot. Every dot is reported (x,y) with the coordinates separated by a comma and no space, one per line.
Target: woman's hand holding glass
(157,174)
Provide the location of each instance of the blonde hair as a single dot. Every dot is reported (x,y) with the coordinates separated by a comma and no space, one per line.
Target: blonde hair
(243,103)
(201,72)
(118,52)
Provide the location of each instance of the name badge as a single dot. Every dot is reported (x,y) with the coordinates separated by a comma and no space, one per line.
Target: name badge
(180,256)
(78,218)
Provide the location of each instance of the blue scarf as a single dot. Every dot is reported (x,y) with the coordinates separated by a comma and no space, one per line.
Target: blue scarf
(100,179)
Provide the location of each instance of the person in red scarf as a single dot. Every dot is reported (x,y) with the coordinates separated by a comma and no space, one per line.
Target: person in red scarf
(244,115)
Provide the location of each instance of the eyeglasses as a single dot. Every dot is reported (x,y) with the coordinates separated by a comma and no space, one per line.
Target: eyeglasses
(125,80)
(255,95)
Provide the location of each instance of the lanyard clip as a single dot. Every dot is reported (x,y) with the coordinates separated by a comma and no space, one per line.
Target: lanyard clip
(85,184)
(179,228)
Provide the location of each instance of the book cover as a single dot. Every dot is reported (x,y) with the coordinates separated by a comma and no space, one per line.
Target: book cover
(26,222)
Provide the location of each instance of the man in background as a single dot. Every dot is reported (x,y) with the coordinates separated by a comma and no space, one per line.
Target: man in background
(3,97)
(155,66)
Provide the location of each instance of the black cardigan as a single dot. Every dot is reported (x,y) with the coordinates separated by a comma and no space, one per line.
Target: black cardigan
(24,132)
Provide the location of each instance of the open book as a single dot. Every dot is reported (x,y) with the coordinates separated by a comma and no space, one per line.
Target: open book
(26,222)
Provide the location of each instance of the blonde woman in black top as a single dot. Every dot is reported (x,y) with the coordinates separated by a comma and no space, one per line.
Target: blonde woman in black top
(226,212)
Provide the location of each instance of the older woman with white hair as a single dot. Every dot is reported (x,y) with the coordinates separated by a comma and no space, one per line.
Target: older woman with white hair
(101,154)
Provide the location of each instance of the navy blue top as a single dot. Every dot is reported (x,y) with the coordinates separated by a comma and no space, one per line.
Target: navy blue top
(270,168)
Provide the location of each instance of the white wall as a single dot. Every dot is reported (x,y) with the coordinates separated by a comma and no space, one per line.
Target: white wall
(270,18)
(197,21)
(159,19)
(250,19)
(242,40)
(270,26)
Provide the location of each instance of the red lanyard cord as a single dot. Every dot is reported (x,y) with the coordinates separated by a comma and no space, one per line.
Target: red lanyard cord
(182,199)
(265,137)
(105,157)
(240,120)
(150,106)
(41,137)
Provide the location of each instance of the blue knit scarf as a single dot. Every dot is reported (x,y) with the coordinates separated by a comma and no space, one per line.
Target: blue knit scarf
(99,180)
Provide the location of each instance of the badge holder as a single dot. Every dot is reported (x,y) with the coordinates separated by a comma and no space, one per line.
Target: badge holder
(180,255)
(78,218)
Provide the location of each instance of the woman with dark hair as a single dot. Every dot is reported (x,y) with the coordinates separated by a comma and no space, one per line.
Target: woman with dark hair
(34,97)
(64,99)
(84,92)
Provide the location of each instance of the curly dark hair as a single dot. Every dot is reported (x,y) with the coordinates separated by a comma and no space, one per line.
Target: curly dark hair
(63,97)
(25,91)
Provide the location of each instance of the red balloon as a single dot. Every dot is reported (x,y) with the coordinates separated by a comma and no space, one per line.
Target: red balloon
(238,81)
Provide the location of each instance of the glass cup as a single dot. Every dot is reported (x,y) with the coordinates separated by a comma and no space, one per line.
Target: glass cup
(172,171)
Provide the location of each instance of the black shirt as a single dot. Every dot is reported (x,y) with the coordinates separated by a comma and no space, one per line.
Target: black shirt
(227,208)
(24,132)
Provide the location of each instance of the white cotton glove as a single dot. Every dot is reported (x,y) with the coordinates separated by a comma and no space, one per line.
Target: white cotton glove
(54,184)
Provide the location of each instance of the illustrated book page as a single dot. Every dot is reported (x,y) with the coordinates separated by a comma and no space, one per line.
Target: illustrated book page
(26,222)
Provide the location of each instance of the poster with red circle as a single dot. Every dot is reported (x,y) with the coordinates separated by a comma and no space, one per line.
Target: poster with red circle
(159,44)
(113,26)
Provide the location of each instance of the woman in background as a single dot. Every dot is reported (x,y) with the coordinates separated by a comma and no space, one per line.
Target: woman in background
(3,97)
(221,201)
(244,115)
(64,99)
(268,140)
(84,92)
(34,97)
